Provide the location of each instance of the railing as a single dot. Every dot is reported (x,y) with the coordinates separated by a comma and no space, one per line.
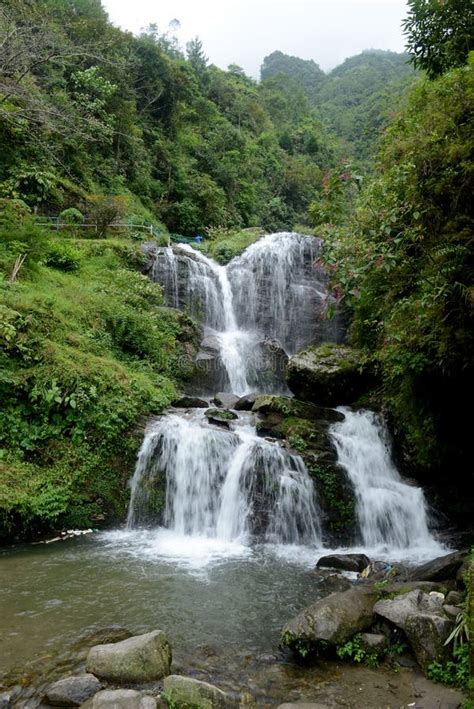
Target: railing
(57,224)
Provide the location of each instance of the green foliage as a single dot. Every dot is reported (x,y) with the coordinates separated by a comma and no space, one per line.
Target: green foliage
(62,256)
(356,651)
(402,265)
(71,216)
(453,672)
(84,354)
(440,34)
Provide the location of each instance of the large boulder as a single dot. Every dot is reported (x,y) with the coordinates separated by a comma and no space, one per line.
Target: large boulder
(225,400)
(427,634)
(191,693)
(398,609)
(142,658)
(72,691)
(220,417)
(345,562)
(328,375)
(120,699)
(246,402)
(190,402)
(441,569)
(332,620)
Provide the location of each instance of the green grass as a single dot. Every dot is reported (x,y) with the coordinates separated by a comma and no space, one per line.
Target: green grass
(226,245)
(85,354)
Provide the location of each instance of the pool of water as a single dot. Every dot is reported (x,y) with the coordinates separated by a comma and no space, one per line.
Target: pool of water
(199,591)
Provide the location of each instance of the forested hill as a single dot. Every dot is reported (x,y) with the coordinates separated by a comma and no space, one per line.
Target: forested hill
(87,108)
(356,99)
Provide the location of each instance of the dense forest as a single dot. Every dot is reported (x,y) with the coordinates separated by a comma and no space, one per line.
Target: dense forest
(98,125)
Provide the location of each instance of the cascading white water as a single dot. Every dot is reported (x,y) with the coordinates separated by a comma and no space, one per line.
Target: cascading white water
(275,289)
(392,515)
(225,485)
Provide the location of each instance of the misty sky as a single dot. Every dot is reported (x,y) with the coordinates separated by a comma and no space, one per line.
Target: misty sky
(244,31)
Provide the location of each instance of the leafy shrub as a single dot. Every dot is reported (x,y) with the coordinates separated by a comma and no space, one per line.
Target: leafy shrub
(454,672)
(71,216)
(63,257)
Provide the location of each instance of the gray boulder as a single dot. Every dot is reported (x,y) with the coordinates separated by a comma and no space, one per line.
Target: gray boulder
(427,634)
(120,699)
(398,609)
(220,417)
(455,598)
(440,569)
(193,694)
(374,641)
(345,562)
(332,620)
(142,658)
(246,402)
(72,691)
(328,374)
(225,400)
(190,402)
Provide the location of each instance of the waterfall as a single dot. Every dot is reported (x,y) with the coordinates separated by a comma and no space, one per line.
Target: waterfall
(275,291)
(392,514)
(228,485)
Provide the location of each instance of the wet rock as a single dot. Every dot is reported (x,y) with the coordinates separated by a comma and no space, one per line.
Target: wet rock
(5,700)
(332,620)
(190,402)
(194,694)
(331,583)
(345,562)
(451,611)
(225,400)
(287,406)
(328,375)
(120,699)
(142,658)
(427,634)
(374,641)
(110,634)
(455,598)
(303,705)
(72,691)
(398,609)
(211,372)
(220,417)
(440,569)
(246,402)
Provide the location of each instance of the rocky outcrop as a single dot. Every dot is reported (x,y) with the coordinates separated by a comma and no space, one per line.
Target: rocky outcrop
(304,427)
(72,691)
(427,634)
(398,609)
(246,402)
(225,400)
(142,658)
(193,694)
(120,699)
(328,375)
(211,373)
(332,620)
(345,562)
(440,569)
(220,417)
(190,402)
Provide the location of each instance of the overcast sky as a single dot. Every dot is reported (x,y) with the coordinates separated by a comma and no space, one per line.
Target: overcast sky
(245,31)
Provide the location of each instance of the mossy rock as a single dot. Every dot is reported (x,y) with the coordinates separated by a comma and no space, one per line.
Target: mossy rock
(287,406)
(335,497)
(329,375)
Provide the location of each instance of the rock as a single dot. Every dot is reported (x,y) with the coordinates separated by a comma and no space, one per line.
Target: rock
(455,598)
(212,374)
(287,406)
(303,705)
(333,619)
(110,634)
(120,699)
(142,658)
(427,634)
(190,402)
(346,562)
(220,417)
(328,375)
(193,694)
(451,611)
(246,402)
(398,609)
(5,700)
(225,400)
(440,569)
(374,641)
(72,691)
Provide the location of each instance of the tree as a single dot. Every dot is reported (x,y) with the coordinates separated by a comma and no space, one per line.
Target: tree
(197,59)
(440,34)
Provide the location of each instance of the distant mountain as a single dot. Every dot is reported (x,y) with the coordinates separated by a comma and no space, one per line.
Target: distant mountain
(306,73)
(356,99)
